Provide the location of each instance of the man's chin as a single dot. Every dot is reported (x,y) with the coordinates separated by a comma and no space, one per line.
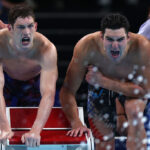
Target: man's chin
(26,46)
(116,59)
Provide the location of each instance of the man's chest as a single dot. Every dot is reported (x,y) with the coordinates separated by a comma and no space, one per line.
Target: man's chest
(21,67)
(122,70)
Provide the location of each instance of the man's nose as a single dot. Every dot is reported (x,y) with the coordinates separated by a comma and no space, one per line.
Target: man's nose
(115,44)
(26,30)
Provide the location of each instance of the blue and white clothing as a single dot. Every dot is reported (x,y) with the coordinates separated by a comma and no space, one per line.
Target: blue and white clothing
(145,29)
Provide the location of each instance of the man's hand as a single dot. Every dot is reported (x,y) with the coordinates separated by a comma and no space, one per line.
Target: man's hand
(94,77)
(2,25)
(78,132)
(4,135)
(78,129)
(31,139)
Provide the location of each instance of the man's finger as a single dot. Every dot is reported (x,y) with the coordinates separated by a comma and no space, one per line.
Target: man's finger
(72,133)
(23,139)
(80,133)
(30,140)
(4,141)
(68,133)
(76,132)
(38,142)
(88,132)
(34,142)
(10,135)
(26,142)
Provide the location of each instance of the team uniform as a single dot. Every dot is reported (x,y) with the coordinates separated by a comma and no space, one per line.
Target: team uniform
(22,93)
(102,105)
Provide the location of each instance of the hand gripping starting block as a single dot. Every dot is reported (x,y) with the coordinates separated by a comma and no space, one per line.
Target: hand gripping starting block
(53,135)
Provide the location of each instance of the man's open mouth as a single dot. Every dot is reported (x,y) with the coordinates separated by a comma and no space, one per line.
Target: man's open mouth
(25,40)
(115,53)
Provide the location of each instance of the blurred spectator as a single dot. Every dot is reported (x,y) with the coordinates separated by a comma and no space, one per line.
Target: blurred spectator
(145,27)
(5,5)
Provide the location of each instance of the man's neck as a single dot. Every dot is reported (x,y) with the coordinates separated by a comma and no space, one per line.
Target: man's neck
(15,51)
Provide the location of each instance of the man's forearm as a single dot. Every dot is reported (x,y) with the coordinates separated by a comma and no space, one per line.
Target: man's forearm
(3,118)
(69,107)
(43,113)
(125,88)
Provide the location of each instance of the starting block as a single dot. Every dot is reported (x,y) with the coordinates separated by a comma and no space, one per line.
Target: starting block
(53,135)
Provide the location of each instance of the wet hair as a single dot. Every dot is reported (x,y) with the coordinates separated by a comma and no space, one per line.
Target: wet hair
(22,11)
(114,21)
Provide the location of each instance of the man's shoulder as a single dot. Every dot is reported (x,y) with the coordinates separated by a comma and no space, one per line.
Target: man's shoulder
(43,42)
(139,40)
(137,36)
(88,41)
(4,33)
(87,47)
(39,37)
(4,38)
(140,45)
(90,37)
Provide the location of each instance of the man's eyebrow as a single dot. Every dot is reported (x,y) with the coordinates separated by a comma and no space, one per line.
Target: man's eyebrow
(20,25)
(121,38)
(109,38)
(25,25)
(31,23)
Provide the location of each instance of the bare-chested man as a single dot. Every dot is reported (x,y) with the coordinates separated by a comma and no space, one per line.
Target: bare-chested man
(26,57)
(116,60)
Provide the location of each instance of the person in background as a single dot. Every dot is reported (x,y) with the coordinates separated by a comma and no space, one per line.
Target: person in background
(5,5)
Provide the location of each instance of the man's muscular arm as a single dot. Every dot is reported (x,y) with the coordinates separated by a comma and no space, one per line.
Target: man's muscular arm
(48,79)
(5,129)
(95,78)
(126,88)
(73,79)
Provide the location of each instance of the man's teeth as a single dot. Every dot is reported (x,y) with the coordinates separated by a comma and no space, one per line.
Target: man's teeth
(25,39)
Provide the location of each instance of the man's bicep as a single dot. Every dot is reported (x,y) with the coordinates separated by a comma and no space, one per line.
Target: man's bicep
(49,72)
(77,67)
(74,76)
(48,80)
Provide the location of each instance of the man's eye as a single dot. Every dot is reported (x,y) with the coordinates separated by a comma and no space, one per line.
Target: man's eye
(121,39)
(109,39)
(21,27)
(30,26)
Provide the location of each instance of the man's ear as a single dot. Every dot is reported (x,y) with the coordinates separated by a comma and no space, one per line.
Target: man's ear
(128,36)
(36,24)
(9,27)
(101,35)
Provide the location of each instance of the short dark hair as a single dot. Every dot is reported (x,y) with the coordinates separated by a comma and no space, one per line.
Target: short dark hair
(19,11)
(114,21)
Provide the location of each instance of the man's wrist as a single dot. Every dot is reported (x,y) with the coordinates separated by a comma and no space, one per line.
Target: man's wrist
(76,124)
(36,131)
(5,124)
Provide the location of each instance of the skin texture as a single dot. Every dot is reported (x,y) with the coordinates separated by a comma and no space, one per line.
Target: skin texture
(23,61)
(92,59)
